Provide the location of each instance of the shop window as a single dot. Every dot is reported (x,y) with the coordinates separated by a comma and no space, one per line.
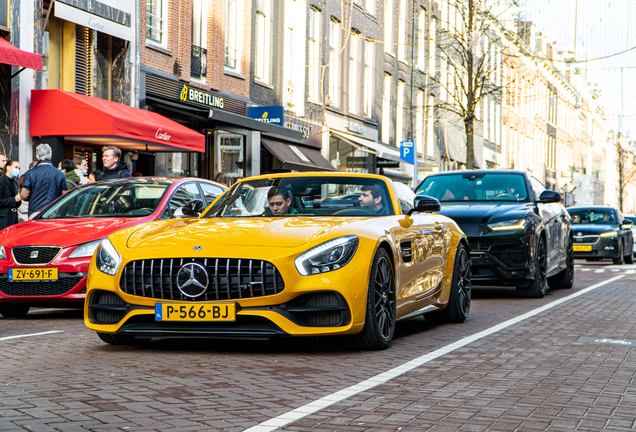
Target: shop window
(4,14)
(230,156)
(198,63)
(83,60)
(346,157)
(211,192)
(262,40)
(111,71)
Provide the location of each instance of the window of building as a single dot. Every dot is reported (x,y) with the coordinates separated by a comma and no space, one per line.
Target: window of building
(402,32)
(232,52)
(262,40)
(421,43)
(313,28)
(156,11)
(334,70)
(386,109)
(388,26)
(354,43)
(4,14)
(368,77)
(399,114)
(199,53)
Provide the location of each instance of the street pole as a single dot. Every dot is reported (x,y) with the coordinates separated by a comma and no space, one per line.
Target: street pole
(413,125)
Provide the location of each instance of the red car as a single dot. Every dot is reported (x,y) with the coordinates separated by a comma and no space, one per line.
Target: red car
(44,261)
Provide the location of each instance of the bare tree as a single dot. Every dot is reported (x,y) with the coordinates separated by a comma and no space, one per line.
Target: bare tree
(624,164)
(472,44)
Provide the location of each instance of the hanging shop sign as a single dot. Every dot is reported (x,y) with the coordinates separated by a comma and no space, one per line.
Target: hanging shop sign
(386,163)
(267,114)
(103,24)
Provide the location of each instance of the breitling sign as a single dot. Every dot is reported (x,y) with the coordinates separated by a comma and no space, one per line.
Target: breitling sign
(193,95)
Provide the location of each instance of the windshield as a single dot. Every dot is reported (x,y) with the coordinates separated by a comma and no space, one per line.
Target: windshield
(592,216)
(107,200)
(475,187)
(305,196)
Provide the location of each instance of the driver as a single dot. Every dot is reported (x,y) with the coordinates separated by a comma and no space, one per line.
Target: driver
(279,202)
(371,199)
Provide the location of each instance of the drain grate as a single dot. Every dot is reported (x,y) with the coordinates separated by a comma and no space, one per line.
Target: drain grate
(601,340)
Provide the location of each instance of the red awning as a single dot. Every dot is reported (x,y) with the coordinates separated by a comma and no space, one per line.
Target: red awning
(100,122)
(15,56)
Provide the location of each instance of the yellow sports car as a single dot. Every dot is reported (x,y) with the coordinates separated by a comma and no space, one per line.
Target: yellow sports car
(284,255)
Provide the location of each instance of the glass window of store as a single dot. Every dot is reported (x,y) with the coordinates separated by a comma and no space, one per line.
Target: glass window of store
(334,70)
(230,156)
(346,157)
(232,34)
(262,40)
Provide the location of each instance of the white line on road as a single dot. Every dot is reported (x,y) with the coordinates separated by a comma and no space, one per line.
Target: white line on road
(584,269)
(313,407)
(599,271)
(29,335)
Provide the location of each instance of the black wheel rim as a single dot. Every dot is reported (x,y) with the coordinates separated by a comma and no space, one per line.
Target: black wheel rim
(542,266)
(384,298)
(570,260)
(463,282)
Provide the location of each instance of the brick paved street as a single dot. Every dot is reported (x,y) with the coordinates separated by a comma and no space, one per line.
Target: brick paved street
(534,375)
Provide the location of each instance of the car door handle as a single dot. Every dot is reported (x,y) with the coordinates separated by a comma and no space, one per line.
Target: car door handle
(440,227)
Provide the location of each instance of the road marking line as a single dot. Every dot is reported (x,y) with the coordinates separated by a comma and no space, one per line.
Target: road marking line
(315,406)
(29,335)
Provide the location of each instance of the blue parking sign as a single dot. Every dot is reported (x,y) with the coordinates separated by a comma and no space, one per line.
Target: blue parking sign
(407,151)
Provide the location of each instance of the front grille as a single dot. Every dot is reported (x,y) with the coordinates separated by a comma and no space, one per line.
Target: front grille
(106,308)
(45,254)
(322,309)
(586,239)
(33,288)
(228,279)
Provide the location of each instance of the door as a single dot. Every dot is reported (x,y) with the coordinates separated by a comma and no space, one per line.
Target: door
(552,220)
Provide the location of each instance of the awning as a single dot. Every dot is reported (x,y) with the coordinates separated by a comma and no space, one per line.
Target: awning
(100,122)
(376,148)
(297,158)
(16,57)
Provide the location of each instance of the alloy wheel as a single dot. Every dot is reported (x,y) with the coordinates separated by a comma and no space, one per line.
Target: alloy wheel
(384,298)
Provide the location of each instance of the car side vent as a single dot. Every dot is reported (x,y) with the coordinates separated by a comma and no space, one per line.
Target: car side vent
(324,309)
(405,246)
(106,308)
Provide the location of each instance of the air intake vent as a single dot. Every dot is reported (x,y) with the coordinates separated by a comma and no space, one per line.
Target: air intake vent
(106,308)
(405,246)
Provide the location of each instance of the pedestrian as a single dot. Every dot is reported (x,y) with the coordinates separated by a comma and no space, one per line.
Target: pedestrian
(9,196)
(81,168)
(43,184)
(113,166)
(3,162)
(23,210)
(68,168)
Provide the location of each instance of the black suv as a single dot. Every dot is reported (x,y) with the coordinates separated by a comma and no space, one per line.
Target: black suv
(519,233)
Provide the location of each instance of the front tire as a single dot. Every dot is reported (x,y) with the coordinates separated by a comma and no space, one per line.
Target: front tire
(122,339)
(460,293)
(620,259)
(379,323)
(565,278)
(14,310)
(539,285)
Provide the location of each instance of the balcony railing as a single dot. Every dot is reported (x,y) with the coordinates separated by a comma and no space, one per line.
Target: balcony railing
(198,62)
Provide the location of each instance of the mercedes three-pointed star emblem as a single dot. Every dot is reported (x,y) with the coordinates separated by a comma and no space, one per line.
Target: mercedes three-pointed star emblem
(192,280)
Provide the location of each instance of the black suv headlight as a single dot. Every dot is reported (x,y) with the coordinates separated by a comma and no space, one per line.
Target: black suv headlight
(329,256)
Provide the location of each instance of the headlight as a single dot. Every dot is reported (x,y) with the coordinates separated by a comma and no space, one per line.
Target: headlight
(512,224)
(610,234)
(328,256)
(107,258)
(85,250)
(3,254)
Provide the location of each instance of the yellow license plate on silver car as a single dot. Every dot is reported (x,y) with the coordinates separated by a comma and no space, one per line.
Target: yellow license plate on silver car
(33,274)
(195,312)
(582,248)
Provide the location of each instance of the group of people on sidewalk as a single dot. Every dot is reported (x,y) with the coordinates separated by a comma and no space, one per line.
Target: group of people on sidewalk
(23,195)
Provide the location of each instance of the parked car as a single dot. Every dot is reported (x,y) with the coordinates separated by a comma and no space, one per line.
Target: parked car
(44,261)
(519,233)
(632,217)
(317,270)
(602,233)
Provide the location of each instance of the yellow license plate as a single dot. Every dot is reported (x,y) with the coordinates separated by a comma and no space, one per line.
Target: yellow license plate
(33,274)
(195,312)
(582,248)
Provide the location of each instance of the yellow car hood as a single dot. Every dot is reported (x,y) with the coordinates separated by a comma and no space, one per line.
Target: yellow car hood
(279,232)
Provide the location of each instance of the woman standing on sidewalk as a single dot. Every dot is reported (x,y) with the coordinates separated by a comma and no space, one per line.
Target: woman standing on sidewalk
(9,196)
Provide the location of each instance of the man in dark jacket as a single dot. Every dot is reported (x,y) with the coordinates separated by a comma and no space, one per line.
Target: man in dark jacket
(44,183)
(113,167)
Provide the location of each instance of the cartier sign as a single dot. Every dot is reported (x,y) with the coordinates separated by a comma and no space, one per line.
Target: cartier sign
(193,95)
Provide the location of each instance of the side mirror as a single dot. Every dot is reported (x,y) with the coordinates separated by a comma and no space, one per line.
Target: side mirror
(550,196)
(193,208)
(425,204)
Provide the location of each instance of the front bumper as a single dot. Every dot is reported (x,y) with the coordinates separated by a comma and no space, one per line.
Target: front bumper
(332,303)
(603,248)
(502,260)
